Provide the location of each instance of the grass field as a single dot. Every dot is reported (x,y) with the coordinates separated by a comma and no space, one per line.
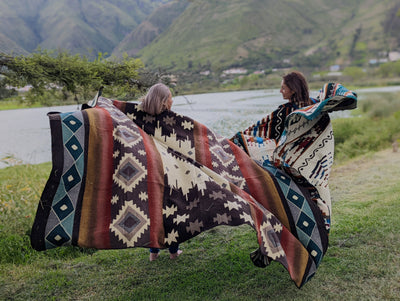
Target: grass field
(362,262)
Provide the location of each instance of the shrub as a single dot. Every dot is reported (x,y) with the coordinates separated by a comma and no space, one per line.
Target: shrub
(358,136)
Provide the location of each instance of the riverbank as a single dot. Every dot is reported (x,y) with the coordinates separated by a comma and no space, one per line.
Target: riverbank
(361,263)
(271,84)
(25,133)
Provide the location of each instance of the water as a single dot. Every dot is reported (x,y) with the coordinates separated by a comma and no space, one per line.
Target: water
(25,133)
(229,112)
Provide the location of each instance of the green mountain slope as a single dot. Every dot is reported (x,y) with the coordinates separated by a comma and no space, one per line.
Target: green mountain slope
(80,26)
(267,33)
(149,29)
(194,35)
(9,46)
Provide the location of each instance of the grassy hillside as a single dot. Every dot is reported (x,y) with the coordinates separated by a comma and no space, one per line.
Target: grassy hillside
(17,22)
(78,26)
(265,33)
(189,35)
(9,46)
(149,29)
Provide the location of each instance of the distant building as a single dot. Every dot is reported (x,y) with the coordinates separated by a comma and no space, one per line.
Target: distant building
(394,56)
(20,89)
(334,68)
(235,71)
(378,61)
(334,74)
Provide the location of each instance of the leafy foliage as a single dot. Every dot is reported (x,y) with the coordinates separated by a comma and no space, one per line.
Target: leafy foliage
(377,128)
(50,72)
(389,69)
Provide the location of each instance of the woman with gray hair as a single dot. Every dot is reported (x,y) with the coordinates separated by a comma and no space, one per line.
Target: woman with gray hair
(157,100)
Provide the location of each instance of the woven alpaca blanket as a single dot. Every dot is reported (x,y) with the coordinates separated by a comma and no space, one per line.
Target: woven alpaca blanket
(300,142)
(122,178)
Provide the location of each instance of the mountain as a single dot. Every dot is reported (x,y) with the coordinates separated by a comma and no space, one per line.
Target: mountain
(9,46)
(193,35)
(85,27)
(155,24)
(270,33)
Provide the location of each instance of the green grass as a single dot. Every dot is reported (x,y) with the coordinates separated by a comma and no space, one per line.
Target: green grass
(361,263)
(14,105)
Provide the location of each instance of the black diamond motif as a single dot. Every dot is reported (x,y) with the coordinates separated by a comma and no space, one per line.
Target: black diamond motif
(128,171)
(74,147)
(58,236)
(72,123)
(129,222)
(63,208)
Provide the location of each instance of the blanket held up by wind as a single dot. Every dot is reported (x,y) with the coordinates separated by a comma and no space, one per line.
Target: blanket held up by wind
(121,178)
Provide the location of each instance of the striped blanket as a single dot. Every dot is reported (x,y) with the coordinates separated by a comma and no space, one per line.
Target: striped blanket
(122,178)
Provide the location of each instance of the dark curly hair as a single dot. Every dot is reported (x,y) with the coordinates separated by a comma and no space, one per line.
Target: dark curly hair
(296,82)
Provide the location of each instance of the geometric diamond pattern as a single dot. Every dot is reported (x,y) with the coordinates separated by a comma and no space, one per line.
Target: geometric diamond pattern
(72,123)
(238,181)
(63,208)
(306,224)
(74,147)
(316,252)
(272,245)
(222,155)
(295,198)
(130,224)
(58,236)
(71,178)
(127,136)
(306,227)
(129,172)
(60,228)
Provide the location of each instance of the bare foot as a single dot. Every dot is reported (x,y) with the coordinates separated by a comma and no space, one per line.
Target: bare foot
(175,255)
(153,256)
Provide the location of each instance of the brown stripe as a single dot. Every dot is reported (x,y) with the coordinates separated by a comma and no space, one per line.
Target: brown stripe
(297,256)
(155,191)
(95,215)
(261,185)
(201,145)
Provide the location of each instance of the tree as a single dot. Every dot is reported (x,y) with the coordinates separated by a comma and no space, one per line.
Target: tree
(389,69)
(75,75)
(4,92)
(356,73)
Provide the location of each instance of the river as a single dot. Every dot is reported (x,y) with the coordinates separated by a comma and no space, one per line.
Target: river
(25,133)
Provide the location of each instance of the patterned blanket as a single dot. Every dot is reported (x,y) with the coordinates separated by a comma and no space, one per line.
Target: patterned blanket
(122,178)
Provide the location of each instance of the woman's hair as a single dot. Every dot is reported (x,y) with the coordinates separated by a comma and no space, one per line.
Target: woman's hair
(155,100)
(297,83)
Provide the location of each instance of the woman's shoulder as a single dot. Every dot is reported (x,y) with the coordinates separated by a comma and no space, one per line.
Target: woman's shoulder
(286,106)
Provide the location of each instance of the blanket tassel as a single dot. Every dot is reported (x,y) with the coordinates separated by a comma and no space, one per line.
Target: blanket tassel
(260,260)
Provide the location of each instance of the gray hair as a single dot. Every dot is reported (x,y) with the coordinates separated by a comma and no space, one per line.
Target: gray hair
(155,100)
